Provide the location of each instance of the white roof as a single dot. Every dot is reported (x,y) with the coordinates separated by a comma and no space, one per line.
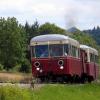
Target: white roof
(89,49)
(53,38)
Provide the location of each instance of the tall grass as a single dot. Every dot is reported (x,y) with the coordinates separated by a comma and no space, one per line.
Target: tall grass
(15,77)
(52,92)
(15,93)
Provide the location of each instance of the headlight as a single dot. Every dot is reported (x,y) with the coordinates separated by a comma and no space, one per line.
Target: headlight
(37,69)
(60,62)
(41,70)
(36,64)
(61,67)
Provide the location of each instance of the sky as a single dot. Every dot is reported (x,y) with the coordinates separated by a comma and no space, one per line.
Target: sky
(84,14)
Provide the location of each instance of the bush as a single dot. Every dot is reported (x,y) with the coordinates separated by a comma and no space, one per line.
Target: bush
(25,66)
(1,67)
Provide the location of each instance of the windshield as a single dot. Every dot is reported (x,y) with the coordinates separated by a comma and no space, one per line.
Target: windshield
(41,51)
(53,50)
(56,50)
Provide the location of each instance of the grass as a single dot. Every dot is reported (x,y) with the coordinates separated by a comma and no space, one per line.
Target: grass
(14,93)
(14,77)
(69,92)
(52,92)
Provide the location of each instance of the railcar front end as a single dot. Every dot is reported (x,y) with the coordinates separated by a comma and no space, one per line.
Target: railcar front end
(55,57)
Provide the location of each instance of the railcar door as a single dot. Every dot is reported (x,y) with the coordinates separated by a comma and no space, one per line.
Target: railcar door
(84,58)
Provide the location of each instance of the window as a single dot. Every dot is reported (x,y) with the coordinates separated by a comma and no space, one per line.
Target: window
(96,58)
(41,51)
(77,51)
(56,50)
(66,50)
(70,49)
(91,57)
(74,51)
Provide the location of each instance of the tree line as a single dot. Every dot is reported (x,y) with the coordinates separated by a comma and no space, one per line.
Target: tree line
(95,33)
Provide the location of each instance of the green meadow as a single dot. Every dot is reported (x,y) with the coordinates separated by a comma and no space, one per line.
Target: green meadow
(52,92)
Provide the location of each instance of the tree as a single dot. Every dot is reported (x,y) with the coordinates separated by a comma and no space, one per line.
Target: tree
(12,42)
(31,30)
(48,28)
(84,38)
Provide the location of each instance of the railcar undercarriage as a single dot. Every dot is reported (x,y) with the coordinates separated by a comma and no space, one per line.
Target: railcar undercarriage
(64,79)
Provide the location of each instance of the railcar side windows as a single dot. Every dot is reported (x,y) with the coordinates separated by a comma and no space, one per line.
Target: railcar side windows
(78,53)
(74,51)
(66,50)
(70,50)
(93,58)
(96,59)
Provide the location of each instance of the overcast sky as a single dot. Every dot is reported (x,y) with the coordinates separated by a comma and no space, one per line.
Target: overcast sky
(83,14)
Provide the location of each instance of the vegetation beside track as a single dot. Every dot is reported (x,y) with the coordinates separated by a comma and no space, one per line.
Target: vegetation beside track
(52,92)
(6,77)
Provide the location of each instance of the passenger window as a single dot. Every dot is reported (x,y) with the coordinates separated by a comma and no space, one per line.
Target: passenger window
(74,51)
(70,50)
(77,52)
(66,50)
(96,58)
(92,59)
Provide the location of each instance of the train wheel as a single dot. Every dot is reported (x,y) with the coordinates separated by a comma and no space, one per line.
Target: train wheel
(83,78)
(90,79)
(60,80)
(54,79)
(66,79)
(77,79)
(42,79)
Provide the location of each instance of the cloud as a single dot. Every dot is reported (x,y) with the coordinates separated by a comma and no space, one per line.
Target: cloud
(81,13)
(11,6)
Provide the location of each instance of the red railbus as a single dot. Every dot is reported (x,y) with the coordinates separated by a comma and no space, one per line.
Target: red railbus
(58,58)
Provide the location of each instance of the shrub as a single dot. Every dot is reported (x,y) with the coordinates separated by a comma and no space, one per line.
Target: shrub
(25,66)
(1,67)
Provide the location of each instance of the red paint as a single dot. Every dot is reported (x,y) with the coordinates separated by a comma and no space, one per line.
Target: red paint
(72,66)
(92,69)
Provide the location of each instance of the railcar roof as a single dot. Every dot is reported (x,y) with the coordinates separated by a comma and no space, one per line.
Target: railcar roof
(52,37)
(91,50)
